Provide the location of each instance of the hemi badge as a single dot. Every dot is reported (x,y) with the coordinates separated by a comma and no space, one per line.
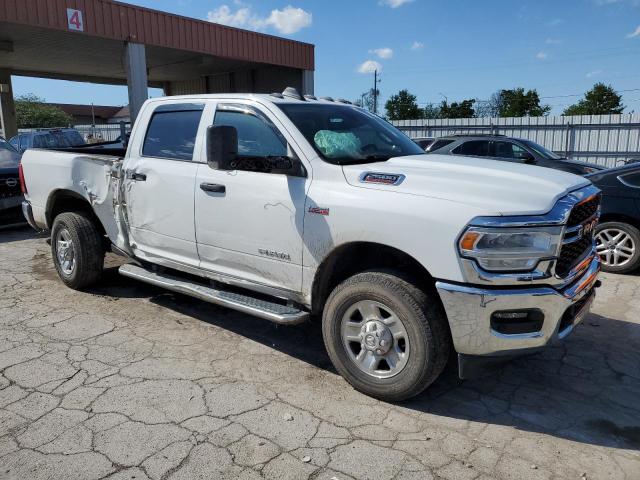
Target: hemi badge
(319,211)
(382,178)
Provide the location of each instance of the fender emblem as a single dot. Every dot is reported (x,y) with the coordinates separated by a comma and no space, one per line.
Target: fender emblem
(382,178)
(319,210)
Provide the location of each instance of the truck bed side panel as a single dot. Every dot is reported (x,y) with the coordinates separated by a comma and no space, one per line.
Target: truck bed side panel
(89,176)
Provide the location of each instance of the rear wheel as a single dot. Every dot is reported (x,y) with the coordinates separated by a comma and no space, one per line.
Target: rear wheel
(618,245)
(77,249)
(386,337)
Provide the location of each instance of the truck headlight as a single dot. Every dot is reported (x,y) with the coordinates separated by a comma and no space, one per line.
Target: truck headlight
(510,249)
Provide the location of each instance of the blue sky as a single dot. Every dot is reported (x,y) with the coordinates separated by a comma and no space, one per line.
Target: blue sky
(456,49)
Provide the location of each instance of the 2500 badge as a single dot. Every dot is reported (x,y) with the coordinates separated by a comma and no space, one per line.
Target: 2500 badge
(274,254)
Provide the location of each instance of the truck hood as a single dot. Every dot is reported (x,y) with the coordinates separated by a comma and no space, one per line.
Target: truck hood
(499,188)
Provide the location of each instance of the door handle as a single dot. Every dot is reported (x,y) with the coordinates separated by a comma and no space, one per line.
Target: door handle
(213,187)
(138,177)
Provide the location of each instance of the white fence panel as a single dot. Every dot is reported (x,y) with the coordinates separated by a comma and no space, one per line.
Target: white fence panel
(604,139)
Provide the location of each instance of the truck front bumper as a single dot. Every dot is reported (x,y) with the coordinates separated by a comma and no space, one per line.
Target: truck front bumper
(470,311)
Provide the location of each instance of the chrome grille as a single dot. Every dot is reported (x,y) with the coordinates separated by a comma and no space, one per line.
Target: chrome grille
(583,211)
(578,238)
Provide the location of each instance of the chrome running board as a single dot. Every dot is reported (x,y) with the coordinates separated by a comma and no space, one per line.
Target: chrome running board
(274,312)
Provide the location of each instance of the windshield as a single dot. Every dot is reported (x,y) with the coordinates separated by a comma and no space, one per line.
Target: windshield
(540,150)
(344,134)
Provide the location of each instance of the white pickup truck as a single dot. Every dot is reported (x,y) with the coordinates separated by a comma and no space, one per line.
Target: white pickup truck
(289,207)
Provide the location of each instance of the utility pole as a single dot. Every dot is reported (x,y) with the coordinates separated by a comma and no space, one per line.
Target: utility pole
(376,80)
(375,91)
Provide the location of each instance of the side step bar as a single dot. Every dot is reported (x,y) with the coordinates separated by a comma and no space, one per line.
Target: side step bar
(271,311)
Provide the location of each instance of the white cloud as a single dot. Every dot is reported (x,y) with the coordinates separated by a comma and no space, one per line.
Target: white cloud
(553,41)
(594,73)
(635,33)
(541,56)
(384,53)
(369,67)
(415,46)
(225,16)
(394,3)
(286,21)
(289,20)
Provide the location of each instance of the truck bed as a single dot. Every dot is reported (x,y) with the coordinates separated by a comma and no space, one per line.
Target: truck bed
(89,174)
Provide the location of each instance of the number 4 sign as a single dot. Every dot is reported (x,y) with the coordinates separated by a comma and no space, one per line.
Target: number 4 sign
(74,20)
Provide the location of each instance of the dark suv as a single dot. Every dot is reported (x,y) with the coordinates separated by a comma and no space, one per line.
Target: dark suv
(500,147)
(617,234)
(48,138)
(10,193)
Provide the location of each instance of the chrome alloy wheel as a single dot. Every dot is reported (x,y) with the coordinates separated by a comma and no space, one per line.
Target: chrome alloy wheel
(375,339)
(65,251)
(615,247)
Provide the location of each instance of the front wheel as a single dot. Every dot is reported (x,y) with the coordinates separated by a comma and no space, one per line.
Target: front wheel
(77,249)
(386,337)
(618,245)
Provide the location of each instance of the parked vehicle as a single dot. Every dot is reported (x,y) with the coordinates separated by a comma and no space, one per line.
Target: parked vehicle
(283,207)
(423,142)
(499,147)
(618,233)
(48,138)
(10,195)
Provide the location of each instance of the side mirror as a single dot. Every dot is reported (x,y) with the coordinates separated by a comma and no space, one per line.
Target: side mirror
(222,147)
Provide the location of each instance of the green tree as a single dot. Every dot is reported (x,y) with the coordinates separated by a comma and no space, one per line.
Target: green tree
(517,103)
(463,109)
(403,106)
(431,110)
(33,112)
(600,100)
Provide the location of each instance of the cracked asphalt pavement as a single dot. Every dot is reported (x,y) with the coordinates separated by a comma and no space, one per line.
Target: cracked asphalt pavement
(127,381)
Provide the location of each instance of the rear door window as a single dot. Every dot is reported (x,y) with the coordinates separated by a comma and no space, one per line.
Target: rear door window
(172,131)
(477,148)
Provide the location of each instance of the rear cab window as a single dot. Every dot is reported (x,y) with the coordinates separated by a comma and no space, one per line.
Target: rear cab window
(172,130)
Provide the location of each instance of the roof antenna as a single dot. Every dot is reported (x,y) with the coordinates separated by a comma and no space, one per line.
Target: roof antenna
(292,93)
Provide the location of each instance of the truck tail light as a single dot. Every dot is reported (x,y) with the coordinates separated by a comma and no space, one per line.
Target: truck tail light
(23,184)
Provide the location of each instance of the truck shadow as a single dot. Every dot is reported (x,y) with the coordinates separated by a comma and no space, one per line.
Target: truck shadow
(585,389)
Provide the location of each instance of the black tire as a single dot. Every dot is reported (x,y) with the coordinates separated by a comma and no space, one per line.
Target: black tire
(424,321)
(88,250)
(633,241)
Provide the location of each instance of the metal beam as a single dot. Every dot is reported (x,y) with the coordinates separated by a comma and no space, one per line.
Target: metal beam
(8,118)
(307,82)
(135,63)
(80,78)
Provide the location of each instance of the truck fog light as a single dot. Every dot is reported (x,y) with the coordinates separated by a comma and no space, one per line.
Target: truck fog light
(511,322)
